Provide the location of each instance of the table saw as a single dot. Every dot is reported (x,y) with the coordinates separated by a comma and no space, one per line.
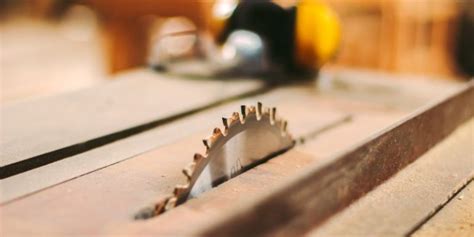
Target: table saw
(363,153)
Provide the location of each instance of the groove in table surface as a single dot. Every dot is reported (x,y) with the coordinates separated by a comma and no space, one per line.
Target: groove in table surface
(321,191)
(399,204)
(115,185)
(456,218)
(138,182)
(86,162)
(38,132)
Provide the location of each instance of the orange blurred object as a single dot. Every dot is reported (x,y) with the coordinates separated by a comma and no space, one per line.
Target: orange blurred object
(126,25)
(401,36)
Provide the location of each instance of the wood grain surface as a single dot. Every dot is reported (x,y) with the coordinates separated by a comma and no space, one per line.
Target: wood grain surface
(456,218)
(323,190)
(42,131)
(244,190)
(288,100)
(100,190)
(404,201)
(139,181)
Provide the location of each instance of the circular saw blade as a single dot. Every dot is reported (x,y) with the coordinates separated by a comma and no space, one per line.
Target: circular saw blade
(248,138)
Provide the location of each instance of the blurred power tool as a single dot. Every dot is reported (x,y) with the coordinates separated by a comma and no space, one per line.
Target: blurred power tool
(464,51)
(262,38)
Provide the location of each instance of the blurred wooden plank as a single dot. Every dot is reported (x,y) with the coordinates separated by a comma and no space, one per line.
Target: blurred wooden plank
(239,196)
(154,174)
(57,172)
(322,191)
(128,186)
(40,132)
(109,197)
(245,189)
(396,207)
(342,91)
(41,57)
(454,219)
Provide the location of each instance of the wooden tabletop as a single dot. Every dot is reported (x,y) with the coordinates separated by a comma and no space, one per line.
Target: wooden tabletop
(86,162)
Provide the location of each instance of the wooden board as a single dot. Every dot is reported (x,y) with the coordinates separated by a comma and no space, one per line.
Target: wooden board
(322,190)
(104,200)
(328,96)
(242,192)
(142,180)
(57,172)
(403,202)
(245,189)
(40,132)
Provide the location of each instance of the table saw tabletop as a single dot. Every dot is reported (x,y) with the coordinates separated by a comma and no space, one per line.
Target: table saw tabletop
(86,162)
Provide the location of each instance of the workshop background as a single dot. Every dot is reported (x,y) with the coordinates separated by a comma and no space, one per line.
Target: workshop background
(53,46)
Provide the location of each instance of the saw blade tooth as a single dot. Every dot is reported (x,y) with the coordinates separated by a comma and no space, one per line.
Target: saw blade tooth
(259,110)
(161,205)
(243,113)
(226,124)
(273,115)
(189,170)
(232,125)
(284,127)
(216,133)
(187,173)
(180,189)
(251,109)
(198,157)
(171,203)
(206,144)
(234,119)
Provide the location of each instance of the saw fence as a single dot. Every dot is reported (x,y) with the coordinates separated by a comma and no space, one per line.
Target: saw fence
(375,155)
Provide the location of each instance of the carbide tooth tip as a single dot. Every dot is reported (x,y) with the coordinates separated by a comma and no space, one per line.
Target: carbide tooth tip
(243,111)
(198,157)
(235,117)
(187,173)
(283,127)
(188,170)
(179,189)
(251,109)
(160,206)
(206,143)
(225,122)
(217,132)
(259,110)
(273,113)
(171,203)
